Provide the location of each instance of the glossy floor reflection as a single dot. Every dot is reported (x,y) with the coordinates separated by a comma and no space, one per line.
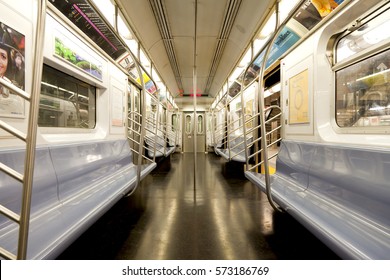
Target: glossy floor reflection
(223,216)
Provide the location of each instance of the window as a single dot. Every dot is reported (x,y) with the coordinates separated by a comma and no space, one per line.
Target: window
(188,124)
(66,101)
(200,124)
(363,92)
(363,87)
(174,122)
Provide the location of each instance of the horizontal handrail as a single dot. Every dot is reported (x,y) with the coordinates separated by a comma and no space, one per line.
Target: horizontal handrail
(234,130)
(153,138)
(15,89)
(274,117)
(274,155)
(234,121)
(135,132)
(235,146)
(10,214)
(152,149)
(253,129)
(232,139)
(256,165)
(273,130)
(267,133)
(137,152)
(11,172)
(252,117)
(134,141)
(238,153)
(21,135)
(135,122)
(275,142)
(255,153)
(220,136)
(135,113)
(253,142)
(6,254)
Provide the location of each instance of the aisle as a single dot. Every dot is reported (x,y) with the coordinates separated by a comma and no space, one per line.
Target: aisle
(223,217)
(219,218)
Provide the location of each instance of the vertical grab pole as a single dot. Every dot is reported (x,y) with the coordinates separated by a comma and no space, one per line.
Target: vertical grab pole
(243,109)
(195,129)
(142,108)
(32,131)
(156,130)
(228,110)
(262,117)
(278,27)
(143,122)
(194,91)
(166,132)
(177,128)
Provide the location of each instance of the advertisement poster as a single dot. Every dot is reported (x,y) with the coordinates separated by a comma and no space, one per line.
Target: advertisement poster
(116,107)
(78,56)
(285,40)
(12,69)
(299,98)
(313,11)
(149,84)
(128,63)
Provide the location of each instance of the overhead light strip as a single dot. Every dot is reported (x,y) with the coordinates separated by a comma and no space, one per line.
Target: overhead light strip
(224,33)
(163,26)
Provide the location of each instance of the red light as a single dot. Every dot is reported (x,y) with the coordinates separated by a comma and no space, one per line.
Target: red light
(197,95)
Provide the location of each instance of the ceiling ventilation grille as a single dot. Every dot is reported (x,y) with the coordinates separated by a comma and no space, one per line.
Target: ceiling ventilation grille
(162,23)
(228,22)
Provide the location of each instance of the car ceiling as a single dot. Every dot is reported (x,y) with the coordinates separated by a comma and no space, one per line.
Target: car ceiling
(166,30)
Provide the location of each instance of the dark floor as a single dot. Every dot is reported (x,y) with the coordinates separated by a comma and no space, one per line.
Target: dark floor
(223,217)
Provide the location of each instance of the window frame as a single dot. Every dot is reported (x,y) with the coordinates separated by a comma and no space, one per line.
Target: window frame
(352,60)
(68,129)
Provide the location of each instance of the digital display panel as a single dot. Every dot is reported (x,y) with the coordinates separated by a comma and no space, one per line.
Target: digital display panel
(83,15)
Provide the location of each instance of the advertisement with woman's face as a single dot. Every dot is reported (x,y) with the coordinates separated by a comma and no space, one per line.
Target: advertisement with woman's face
(12,69)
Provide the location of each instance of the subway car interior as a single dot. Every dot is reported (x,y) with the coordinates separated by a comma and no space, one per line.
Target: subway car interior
(195,129)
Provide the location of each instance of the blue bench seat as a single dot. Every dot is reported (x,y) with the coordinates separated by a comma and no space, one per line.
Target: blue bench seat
(74,185)
(341,194)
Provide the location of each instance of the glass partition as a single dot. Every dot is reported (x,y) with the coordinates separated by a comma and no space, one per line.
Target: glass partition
(250,106)
(220,127)
(235,116)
